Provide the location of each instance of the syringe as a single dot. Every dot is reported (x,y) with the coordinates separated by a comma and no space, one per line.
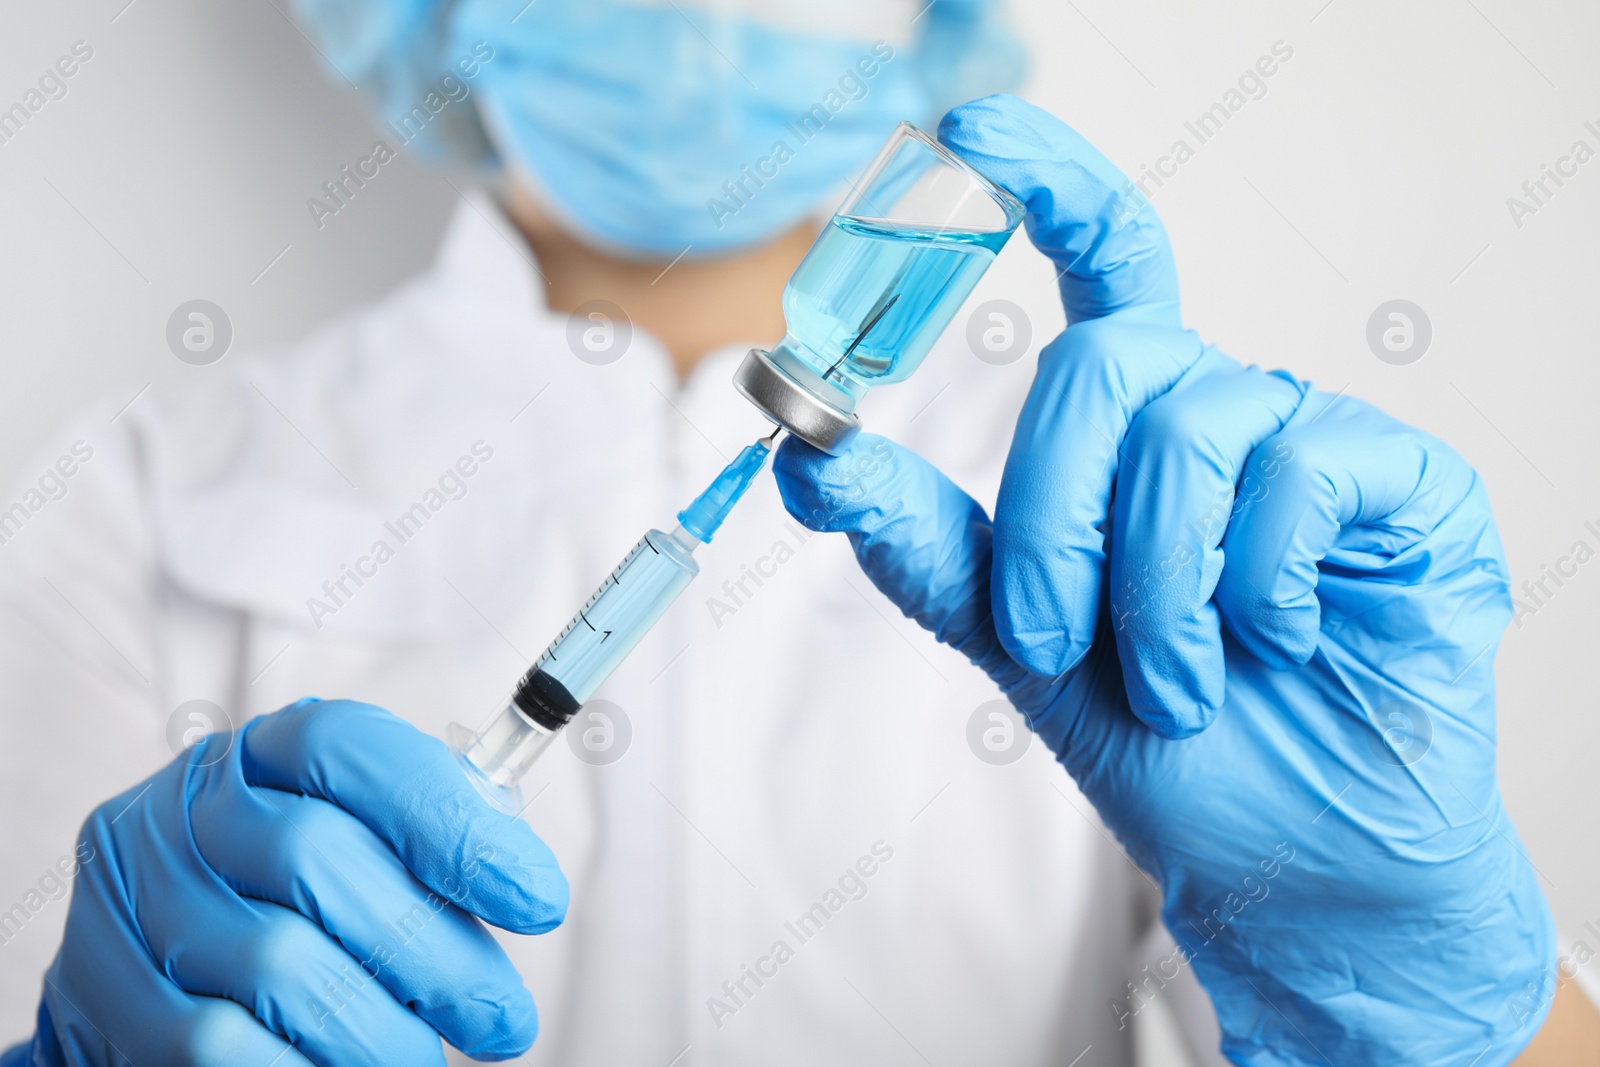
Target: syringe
(608,626)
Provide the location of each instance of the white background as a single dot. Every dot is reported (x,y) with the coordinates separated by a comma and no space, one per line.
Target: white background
(1376,167)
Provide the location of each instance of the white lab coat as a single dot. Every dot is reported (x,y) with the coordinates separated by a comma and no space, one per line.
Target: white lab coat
(772,747)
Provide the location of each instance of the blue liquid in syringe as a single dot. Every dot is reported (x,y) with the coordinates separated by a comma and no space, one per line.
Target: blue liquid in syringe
(630,600)
(871,296)
(632,597)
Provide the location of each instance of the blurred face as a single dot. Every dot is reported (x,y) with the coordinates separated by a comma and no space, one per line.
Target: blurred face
(668,128)
(653,131)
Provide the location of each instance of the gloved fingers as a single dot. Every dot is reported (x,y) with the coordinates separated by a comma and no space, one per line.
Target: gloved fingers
(299,982)
(408,789)
(1107,244)
(192,1029)
(1362,517)
(918,537)
(107,1003)
(1119,286)
(1182,470)
(1055,495)
(218,1031)
(147,887)
(305,853)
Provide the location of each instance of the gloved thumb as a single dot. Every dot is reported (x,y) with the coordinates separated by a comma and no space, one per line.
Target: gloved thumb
(1109,248)
(919,538)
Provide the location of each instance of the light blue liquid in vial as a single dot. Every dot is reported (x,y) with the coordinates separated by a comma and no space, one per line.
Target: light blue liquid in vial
(871,297)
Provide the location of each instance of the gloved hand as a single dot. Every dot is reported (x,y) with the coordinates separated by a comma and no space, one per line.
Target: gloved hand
(1256,623)
(306,898)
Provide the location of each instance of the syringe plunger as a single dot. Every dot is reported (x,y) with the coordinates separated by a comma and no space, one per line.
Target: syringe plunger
(628,603)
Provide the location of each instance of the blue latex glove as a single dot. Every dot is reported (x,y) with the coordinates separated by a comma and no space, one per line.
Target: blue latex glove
(315,886)
(1256,623)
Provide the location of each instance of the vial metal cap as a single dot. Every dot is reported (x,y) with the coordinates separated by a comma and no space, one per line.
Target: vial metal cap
(793,406)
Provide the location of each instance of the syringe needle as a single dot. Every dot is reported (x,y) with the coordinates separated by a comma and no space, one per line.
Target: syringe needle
(771,437)
(554,690)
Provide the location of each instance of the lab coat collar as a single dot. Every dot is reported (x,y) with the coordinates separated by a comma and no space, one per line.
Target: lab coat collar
(271,473)
(271,476)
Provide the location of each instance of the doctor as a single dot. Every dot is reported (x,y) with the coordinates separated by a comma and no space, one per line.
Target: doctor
(779,844)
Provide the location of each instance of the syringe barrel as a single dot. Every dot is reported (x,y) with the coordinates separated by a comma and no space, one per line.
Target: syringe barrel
(503,750)
(628,603)
(614,620)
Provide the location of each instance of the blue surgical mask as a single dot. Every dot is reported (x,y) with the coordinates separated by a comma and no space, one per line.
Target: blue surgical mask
(652,129)
(660,129)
